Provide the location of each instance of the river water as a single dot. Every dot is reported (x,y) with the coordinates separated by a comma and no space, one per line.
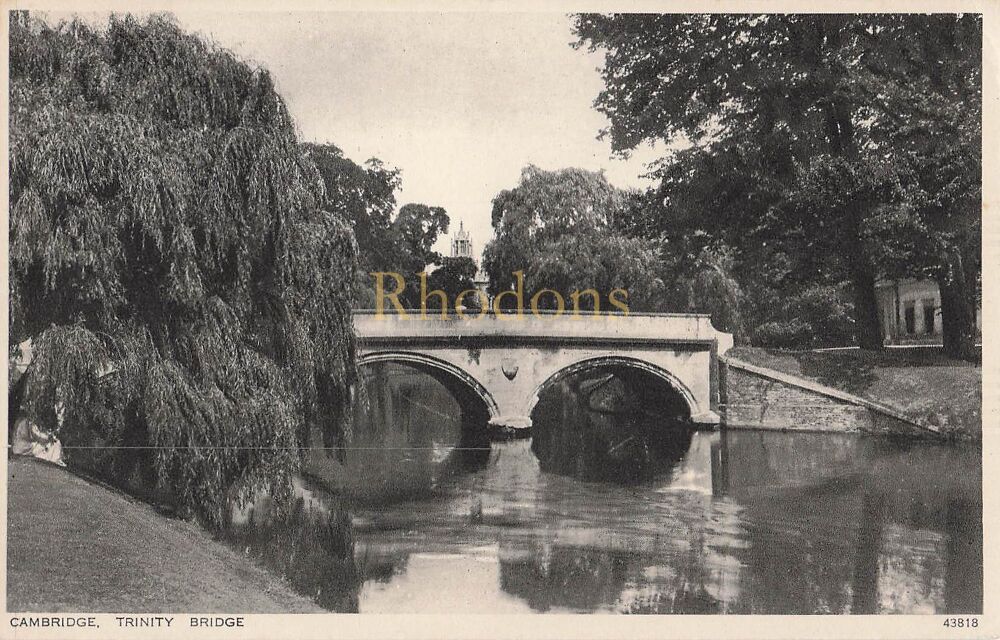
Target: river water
(604,512)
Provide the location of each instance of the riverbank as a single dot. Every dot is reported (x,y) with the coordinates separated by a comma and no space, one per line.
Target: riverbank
(132,559)
(919,382)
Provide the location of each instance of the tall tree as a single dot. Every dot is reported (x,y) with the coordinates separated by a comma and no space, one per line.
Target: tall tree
(416,228)
(929,85)
(365,196)
(165,225)
(556,228)
(778,102)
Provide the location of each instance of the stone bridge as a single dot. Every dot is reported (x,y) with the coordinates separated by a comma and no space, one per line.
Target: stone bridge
(506,360)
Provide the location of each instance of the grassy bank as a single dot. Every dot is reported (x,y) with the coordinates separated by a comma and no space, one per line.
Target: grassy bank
(76,546)
(919,382)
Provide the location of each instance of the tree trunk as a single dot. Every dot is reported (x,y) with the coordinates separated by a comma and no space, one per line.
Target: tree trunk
(958,315)
(840,132)
(868,328)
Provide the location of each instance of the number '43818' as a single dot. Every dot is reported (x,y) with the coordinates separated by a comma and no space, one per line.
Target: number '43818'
(961,623)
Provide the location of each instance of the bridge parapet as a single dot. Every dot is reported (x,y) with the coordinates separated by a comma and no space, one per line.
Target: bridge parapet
(634,328)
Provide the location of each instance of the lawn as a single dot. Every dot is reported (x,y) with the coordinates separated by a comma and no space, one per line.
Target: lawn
(76,546)
(919,382)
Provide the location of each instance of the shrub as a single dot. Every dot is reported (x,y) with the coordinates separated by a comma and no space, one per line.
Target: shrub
(817,316)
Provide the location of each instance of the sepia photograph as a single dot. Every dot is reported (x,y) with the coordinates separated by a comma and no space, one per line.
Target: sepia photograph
(492,312)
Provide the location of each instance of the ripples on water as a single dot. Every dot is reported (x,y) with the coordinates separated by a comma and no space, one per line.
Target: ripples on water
(610,509)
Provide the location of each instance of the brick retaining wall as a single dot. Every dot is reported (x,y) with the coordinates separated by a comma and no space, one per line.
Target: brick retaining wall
(753,397)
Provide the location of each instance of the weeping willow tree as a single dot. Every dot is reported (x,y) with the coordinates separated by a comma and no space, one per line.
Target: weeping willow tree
(186,296)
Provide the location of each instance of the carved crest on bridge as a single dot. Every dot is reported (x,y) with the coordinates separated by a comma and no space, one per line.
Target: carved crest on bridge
(509,367)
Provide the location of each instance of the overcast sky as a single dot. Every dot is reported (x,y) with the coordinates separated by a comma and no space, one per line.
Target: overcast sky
(460,102)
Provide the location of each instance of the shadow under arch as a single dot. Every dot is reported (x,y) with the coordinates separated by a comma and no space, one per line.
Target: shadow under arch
(615,362)
(462,386)
(417,421)
(611,418)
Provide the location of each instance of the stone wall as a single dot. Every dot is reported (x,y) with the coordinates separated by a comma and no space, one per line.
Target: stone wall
(757,398)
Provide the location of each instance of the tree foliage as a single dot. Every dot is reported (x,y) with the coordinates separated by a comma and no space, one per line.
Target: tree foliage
(388,241)
(570,230)
(453,277)
(166,225)
(556,227)
(833,141)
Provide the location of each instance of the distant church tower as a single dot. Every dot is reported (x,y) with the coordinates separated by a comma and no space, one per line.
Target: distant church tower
(461,247)
(461,244)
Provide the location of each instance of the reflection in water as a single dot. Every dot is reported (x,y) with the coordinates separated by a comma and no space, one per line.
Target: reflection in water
(311,545)
(577,578)
(613,424)
(409,433)
(730,522)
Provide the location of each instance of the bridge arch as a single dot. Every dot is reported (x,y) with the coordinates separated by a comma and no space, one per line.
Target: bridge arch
(454,378)
(591,363)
